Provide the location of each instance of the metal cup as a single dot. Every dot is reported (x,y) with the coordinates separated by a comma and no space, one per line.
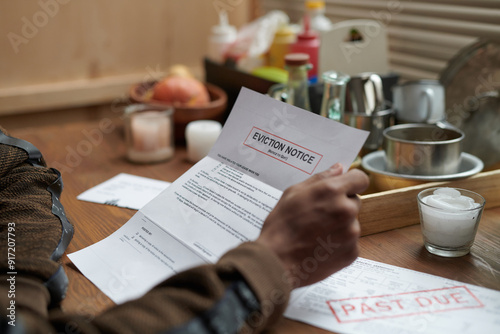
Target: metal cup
(420,101)
(365,94)
(422,149)
(375,123)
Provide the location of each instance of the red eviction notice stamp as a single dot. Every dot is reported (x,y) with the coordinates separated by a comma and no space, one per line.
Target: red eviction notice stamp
(403,304)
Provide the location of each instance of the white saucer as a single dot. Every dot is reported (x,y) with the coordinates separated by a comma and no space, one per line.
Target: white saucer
(375,163)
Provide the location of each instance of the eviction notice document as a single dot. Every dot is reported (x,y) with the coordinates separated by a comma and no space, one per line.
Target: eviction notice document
(265,146)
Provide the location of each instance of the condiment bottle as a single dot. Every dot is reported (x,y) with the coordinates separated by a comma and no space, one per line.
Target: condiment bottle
(222,36)
(334,91)
(297,65)
(283,39)
(308,42)
(316,11)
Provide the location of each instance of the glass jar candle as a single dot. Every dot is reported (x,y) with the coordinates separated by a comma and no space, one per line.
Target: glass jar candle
(149,133)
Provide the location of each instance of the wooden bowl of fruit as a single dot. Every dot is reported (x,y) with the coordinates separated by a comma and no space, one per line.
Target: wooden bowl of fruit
(191,99)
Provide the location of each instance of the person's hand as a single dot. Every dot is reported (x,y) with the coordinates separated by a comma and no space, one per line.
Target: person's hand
(314,228)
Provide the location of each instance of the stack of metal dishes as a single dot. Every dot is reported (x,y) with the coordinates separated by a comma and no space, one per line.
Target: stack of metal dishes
(418,153)
(447,129)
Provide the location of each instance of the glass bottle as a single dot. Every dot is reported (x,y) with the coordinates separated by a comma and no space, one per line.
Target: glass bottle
(297,65)
(333,103)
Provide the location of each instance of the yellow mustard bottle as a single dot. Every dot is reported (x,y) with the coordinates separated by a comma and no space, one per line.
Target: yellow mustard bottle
(284,37)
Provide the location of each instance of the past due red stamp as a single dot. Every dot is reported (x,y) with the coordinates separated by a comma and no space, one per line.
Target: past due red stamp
(403,304)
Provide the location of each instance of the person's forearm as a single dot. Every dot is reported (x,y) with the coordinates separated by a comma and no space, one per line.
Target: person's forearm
(196,296)
(245,288)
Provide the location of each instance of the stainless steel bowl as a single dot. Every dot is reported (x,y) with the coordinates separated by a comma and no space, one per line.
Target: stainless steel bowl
(423,149)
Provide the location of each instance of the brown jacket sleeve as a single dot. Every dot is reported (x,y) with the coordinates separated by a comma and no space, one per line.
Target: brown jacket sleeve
(179,299)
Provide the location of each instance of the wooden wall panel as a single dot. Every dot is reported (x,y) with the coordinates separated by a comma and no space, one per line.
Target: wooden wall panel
(59,53)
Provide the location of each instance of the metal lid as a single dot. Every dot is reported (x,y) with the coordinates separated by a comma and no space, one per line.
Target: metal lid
(472,83)
(421,82)
(297,59)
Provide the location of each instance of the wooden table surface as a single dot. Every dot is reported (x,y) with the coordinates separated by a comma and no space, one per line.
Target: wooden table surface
(90,152)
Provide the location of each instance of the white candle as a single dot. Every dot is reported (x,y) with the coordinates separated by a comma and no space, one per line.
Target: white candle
(449,218)
(151,137)
(200,137)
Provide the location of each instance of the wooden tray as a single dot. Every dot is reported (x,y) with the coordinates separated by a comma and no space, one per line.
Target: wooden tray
(398,208)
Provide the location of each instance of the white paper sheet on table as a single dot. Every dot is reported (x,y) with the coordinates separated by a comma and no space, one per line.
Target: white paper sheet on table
(372,297)
(223,200)
(125,190)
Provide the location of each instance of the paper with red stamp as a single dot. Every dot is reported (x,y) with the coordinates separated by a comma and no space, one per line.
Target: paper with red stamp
(403,304)
(370,297)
